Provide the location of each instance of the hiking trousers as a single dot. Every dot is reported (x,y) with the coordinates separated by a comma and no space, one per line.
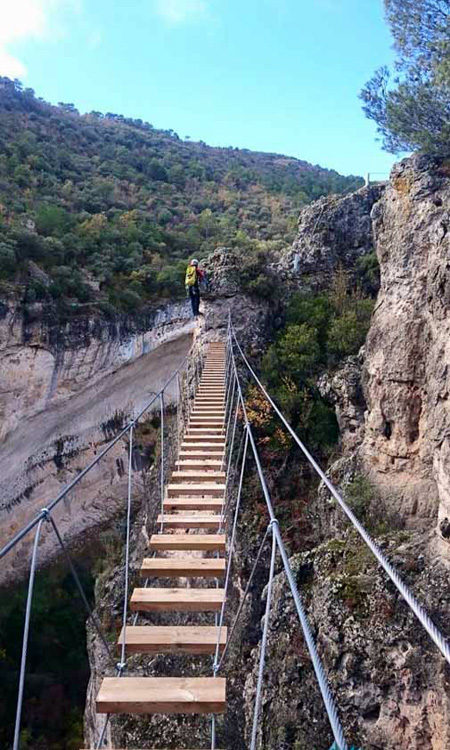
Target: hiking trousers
(194,295)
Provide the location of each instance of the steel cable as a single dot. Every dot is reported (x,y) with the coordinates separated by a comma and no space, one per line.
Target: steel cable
(26,633)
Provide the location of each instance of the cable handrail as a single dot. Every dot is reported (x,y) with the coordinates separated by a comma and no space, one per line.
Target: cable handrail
(435,634)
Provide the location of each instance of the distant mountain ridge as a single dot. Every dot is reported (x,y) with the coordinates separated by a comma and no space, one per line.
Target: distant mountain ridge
(109,207)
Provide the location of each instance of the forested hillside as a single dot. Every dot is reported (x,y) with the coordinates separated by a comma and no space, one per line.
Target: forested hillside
(110,208)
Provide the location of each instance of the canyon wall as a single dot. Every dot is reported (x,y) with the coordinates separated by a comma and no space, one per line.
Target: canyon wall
(64,393)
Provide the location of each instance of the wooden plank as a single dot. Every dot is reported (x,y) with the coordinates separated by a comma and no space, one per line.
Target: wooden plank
(198,476)
(208,419)
(193,503)
(206,406)
(164,695)
(173,639)
(190,490)
(176,600)
(208,432)
(205,542)
(204,439)
(182,567)
(201,454)
(205,444)
(205,412)
(184,521)
(215,448)
(202,464)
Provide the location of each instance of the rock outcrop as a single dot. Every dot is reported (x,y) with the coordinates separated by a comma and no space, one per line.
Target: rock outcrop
(396,409)
(406,372)
(333,232)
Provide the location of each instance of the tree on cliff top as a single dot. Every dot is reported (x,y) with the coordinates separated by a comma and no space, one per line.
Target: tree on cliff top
(411,105)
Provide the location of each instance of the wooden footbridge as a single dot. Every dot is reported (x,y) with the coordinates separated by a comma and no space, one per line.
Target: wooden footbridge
(194,501)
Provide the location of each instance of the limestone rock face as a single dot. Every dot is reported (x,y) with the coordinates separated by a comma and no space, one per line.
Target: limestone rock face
(343,389)
(406,367)
(332,232)
(64,394)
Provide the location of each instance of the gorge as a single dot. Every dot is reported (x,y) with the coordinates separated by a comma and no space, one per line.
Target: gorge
(391,403)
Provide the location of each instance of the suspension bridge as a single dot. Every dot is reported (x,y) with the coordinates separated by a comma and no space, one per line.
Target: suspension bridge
(194,549)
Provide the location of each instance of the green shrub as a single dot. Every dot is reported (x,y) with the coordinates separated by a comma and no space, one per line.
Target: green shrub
(368,270)
(347,332)
(299,351)
(8,259)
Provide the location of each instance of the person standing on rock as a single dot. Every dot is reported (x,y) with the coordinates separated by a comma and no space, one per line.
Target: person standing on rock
(193,278)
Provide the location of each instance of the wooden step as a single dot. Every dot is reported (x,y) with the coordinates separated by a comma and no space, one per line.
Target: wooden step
(193,503)
(203,431)
(176,600)
(204,411)
(201,434)
(209,407)
(204,542)
(184,521)
(201,454)
(196,420)
(212,403)
(217,395)
(197,439)
(192,490)
(162,695)
(148,639)
(212,399)
(212,431)
(198,476)
(204,445)
(207,413)
(182,567)
(201,464)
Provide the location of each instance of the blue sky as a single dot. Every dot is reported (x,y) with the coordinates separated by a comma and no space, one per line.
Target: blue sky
(269,75)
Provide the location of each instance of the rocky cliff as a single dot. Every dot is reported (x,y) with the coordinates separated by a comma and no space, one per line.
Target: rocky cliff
(65,390)
(406,371)
(392,401)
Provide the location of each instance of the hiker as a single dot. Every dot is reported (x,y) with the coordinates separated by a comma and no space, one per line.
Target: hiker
(193,278)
